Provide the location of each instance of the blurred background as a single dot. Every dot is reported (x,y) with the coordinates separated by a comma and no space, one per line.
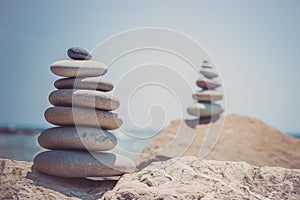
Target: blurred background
(254,44)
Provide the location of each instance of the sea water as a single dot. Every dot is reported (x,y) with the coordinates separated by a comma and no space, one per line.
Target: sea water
(19,146)
(295,135)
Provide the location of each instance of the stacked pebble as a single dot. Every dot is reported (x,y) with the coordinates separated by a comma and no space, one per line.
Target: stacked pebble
(81,107)
(205,108)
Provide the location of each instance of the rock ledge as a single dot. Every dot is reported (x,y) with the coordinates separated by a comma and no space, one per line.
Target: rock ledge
(19,181)
(193,178)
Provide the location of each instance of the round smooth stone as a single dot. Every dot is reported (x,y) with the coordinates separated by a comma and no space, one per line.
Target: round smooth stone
(78,68)
(208,73)
(206,64)
(78,53)
(82,164)
(204,109)
(207,84)
(70,116)
(84,98)
(77,138)
(92,83)
(208,96)
(207,120)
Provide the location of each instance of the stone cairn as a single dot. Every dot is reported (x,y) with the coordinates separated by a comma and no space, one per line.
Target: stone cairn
(205,108)
(82,112)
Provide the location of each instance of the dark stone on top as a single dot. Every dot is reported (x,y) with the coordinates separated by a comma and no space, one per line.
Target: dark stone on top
(78,53)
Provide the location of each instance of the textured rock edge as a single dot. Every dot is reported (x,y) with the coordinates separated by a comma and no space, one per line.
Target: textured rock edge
(193,178)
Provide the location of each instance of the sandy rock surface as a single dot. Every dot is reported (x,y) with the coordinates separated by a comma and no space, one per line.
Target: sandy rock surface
(19,181)
(193,178)
(241,138)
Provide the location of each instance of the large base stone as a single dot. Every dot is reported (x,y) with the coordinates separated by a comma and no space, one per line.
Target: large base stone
(82,164)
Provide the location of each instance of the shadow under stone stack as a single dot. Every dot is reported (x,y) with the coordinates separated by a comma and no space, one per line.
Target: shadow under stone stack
(82,112)
(206,108)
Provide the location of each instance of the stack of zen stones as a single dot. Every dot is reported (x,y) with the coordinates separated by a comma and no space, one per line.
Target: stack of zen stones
(82,112)
(206,108)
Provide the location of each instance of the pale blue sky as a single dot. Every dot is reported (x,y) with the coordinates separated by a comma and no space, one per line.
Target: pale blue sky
(254,43)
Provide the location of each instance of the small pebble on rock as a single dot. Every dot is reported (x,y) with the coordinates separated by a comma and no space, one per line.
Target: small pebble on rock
(78,53)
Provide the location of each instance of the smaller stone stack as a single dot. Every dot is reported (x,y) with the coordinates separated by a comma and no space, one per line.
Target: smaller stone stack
(82,112)
(205,108)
